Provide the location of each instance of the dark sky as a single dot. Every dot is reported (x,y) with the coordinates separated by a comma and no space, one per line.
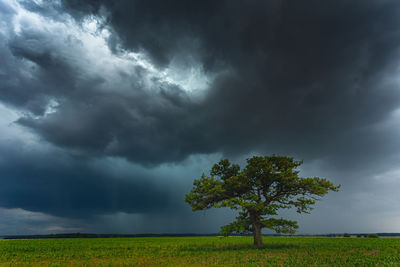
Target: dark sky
(110,109)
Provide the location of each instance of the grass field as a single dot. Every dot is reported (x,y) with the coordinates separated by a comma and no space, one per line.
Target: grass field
(201,251)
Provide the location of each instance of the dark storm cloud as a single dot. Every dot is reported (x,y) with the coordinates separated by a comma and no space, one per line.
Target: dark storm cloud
(316,80)
(64,186)
(306,78)
(93,117)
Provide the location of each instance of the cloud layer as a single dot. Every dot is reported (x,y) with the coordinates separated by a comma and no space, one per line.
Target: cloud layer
(158,84)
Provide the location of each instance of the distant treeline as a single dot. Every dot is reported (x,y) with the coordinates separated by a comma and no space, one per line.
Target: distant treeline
(355,234)
(87,235)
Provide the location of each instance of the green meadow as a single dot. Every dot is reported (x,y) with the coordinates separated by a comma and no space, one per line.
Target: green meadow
(201,251)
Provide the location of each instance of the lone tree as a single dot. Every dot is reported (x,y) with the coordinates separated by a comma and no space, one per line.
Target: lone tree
(264,186)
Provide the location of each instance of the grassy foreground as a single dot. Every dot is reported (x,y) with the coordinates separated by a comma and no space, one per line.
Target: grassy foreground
(201,251)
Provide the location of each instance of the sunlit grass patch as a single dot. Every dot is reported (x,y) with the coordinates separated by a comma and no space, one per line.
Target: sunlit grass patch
(201,251)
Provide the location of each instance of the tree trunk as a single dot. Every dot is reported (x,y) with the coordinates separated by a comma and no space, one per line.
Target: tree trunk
(255,219)
(257,235)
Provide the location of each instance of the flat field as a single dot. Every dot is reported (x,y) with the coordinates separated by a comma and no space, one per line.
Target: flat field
(201,251)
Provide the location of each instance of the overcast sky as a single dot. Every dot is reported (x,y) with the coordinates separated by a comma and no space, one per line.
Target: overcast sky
(110,109)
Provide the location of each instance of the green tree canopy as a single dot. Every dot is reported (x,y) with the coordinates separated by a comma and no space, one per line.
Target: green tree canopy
(265,185)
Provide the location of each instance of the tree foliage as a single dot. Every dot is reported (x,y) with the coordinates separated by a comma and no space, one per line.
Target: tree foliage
(266,185)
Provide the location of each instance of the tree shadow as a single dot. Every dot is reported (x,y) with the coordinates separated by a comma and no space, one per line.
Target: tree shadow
(233,247)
